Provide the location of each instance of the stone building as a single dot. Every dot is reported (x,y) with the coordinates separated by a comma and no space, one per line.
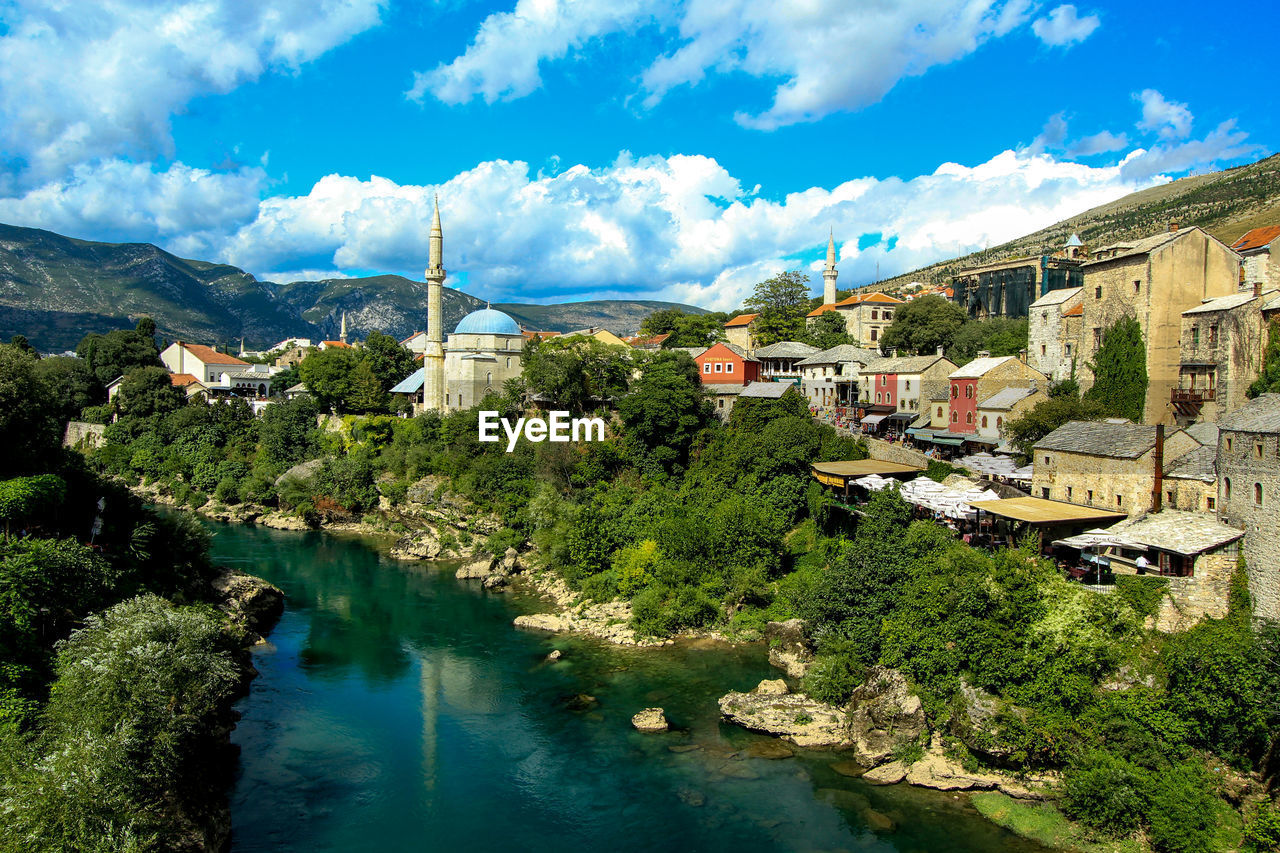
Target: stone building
(1191,481)
(483,352)
(1005,405)
(1053,329)
(1153,280)
(739,332)
(897,390)
(1222,347)
(829,379)
(1008,288)
(1249,493)
(1113,465)
(983,378)
(1259,249)
(724,370)
(780,362)
(866,316)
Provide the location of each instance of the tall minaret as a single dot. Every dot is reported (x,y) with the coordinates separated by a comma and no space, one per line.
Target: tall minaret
(433,356)
(342,333)
(829,274)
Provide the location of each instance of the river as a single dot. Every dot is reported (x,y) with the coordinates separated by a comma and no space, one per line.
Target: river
(398,709)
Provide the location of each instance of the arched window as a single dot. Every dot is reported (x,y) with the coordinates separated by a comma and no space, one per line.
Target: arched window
(999,422)
(488,378)
(508,361)
(955,417)
(939,411)
(968,418)
(984,421)
(968,392)
(955,391)
(1226,488)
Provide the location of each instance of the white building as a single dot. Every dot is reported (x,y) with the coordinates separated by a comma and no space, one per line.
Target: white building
(204,363)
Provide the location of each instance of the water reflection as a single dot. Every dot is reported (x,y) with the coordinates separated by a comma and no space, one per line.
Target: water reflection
(398,709)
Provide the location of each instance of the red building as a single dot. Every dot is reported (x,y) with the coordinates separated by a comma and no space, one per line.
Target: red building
(884,390)
(726,364)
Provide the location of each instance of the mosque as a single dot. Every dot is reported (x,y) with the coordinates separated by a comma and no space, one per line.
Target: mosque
(482,353)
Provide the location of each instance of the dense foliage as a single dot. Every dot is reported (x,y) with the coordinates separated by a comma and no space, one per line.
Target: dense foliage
(781,303)
(1120,371)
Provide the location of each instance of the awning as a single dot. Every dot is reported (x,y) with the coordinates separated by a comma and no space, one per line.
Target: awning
(873,420)
(902,416)
(920,433)
(948,441)
(1044,511)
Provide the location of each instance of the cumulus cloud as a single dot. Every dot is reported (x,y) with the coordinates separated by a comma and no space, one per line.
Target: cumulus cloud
(1099,143)
(830,54)
(1064,27)
(87,80)
(1167,119)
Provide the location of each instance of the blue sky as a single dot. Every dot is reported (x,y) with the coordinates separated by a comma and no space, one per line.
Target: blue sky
(608,148)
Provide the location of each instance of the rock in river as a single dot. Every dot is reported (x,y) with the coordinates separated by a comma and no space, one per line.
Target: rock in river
(884,715)
(650,720)
(794,717)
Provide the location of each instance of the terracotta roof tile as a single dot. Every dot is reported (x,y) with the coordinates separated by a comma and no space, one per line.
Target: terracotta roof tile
(209,355)
(741,320)
(859,298)
(182,380)
(1257,238)
(821,309)
(1075,311)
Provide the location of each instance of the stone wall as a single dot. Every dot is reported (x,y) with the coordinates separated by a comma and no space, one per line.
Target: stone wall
(1246,461)
(1048,333)
(81,435)
(1207,593)
(888,452)
(1089,480)
(1189,494)
(1232,342)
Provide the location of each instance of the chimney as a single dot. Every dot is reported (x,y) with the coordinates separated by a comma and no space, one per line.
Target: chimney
(1022,356)
(1173,226)
(939,350)
(1157,489)
(983,353)
(895,352)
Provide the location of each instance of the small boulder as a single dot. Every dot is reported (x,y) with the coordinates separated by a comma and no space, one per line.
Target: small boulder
(886,774)
(772,687)
(496,583)
(794,717)
(417,546)
(510,563)
(250,601)
(555,656)
(790,648)
(978,722)
(771,749)
(650,720)
(884,715)
(474,570)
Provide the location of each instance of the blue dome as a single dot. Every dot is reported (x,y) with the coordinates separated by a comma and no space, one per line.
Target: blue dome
(487,321)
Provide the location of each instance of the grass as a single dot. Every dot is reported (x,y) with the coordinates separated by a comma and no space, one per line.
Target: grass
(1043,823)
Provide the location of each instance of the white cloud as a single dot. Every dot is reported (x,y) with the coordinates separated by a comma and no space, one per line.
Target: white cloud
(1099,143)
(1053,136)
(85,80)
(1063,26)
(1168,119)
(831,55)
(1223,144)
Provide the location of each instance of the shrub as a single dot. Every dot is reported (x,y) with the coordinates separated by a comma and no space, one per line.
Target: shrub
(1181,813)
(227,492)
(1106,793)
(1143,594)
(1262,830)
(834,677)
(499,542)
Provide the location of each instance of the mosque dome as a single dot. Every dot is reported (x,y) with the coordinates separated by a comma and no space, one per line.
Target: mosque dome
(487,321)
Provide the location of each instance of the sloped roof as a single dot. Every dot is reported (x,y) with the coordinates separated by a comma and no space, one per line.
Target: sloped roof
(1056,297)
(209,355)
(1257,238)
(338,344)
(1222,303)
(181,380)
(1007,398)
(741,320)
(1074,240)
(1179,531)
(411,384)
(903,364)
(859,298)
(1205,433)
(822,309)
(1199,464)
(1100,438)
(1261,414)
(733,348)
(841,353)
(786,349)
(979,367)
(1074,311)
(646,340)
(766,390)
(1143,246)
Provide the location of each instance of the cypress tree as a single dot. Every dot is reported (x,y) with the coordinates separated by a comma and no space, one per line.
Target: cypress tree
(1120,371)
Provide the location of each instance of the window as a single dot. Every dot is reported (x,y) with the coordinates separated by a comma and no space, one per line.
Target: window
(1047,459)
(874,332)
(719,367)
(1043,349)
(728,368)
(1088,493)
(968,392)
(955,391)
(1137,287)
(999,422)
(884,379)
(1210,503)
(1097,292)
(1226,488)
(907,385)
(888,315)
(1213,335)
(1119,500)
(968,418)
(706,368)
(955,417)
(1257,450)
(720,403)
(1069,491)
(939,411)
(1068,350)
(1195,336)
(984,421)
(1097,339)
(1044,492)
(1228,444)
(1168,499)
(508,361)
(1257,494)
(877,396)
(875,315)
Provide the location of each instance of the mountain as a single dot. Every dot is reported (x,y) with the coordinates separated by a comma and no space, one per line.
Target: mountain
(1226,204)
(54,289)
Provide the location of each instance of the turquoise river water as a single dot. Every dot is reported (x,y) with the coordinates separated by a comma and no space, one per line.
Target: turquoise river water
(398,709)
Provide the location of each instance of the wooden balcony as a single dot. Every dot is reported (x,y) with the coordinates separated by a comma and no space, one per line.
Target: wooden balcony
(1191,395)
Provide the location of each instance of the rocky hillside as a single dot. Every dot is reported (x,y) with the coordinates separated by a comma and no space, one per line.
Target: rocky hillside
(1226,204)
(54,289)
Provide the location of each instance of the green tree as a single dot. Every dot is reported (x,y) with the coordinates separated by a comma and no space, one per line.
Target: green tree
(389,361)
(1046,416)
(148,391)
(71,383)
(996,335)
(923,325)
(828,330)
(573,372)
(1268,381)
(685,330)
(21,498)
(30,431)
(328,374)
(287,432)
(782,302)
(665,409)
(367,394)
(114,354)
(1120,371)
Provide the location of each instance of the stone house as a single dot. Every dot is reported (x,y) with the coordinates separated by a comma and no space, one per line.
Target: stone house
(1053,328)
(902,386)
(1191,481)
(1259,249)
(1005,405)
(866,316)
(983,378)
(1153,280)
(830,378)
(1249,493)
(1109,464)
(724,370)
(739,332)
(780,362)
(1222,346)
